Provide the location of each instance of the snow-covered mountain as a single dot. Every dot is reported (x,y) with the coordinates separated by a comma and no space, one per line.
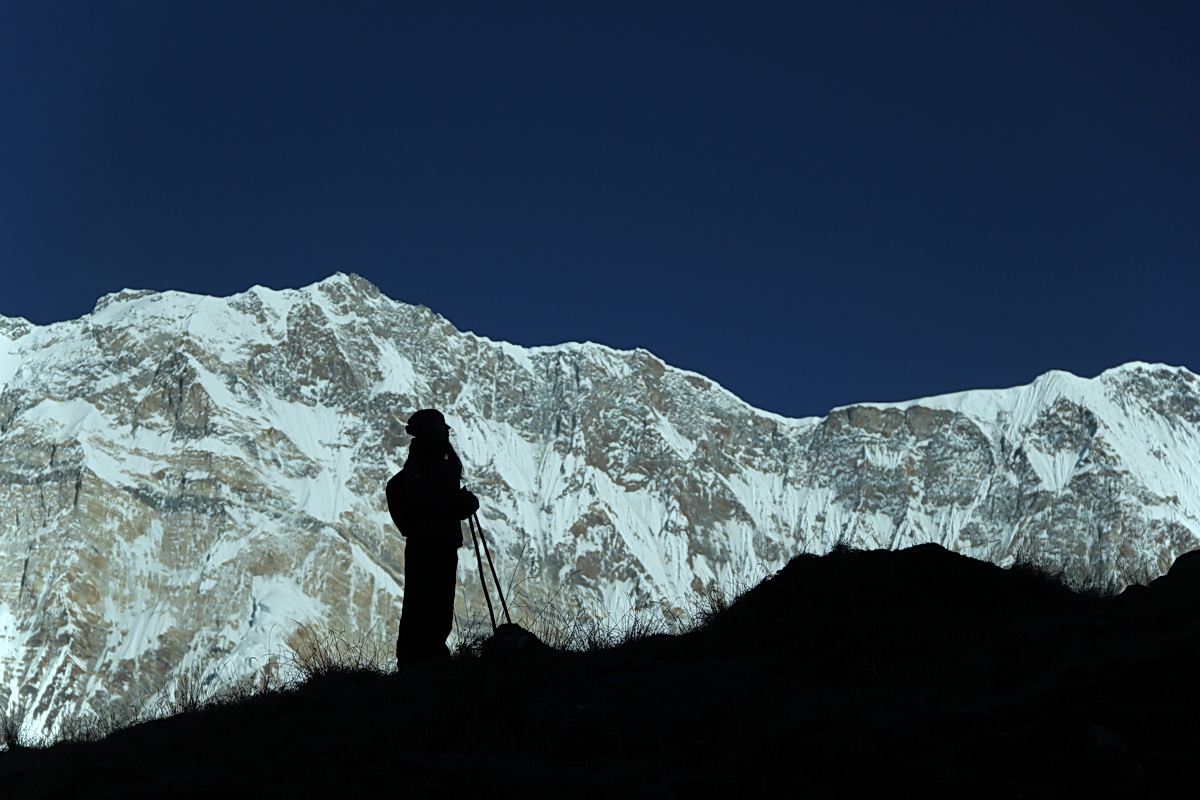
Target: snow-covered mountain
(187,481)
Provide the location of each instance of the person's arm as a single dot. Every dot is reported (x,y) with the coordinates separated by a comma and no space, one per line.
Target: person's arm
(432,499)
(468,504)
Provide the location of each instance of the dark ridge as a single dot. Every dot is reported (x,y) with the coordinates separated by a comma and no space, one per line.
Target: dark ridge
(856,674)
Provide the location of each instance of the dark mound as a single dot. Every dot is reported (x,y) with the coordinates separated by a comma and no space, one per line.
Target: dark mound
(854,674)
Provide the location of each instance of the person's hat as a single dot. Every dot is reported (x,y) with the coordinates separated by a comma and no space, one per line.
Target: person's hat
(426,422)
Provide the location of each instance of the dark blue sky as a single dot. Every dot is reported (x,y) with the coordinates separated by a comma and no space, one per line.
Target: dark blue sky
(813,203)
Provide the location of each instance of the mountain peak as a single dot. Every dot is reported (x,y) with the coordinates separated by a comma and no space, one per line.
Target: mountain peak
(345,287)
(190,482)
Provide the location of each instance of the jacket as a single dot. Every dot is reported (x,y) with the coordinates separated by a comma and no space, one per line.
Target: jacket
(426,502)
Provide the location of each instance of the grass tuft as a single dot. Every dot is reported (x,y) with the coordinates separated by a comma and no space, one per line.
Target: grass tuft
(1083,579)
(332,653)
(12,731)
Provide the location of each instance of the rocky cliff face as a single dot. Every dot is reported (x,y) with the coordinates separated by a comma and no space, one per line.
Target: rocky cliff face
(186,482)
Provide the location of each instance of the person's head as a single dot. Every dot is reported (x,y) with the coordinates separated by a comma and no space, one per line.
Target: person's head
(428,425)
(431,437)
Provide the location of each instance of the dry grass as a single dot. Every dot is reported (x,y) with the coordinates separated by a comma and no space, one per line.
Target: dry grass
(582,632)
(1105,582)
(333,653)
(575,629)
(13,735)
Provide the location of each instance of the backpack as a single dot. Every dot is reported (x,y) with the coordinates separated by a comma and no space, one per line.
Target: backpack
(398,505)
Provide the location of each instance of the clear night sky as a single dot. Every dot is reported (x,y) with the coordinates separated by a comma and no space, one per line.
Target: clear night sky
(813,203)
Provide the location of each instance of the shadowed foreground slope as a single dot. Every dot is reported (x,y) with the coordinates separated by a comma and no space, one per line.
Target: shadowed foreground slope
(850,674)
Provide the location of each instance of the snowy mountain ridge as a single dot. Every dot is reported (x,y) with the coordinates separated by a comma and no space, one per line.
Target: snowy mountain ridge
(186,482)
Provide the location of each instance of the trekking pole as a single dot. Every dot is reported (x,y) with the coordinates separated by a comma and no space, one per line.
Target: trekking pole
(495,580)
(482,581)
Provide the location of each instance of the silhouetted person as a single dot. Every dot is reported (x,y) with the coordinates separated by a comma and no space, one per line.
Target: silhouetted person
(427,504)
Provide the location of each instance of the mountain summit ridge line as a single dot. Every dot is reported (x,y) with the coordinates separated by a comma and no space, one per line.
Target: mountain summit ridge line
(187,482)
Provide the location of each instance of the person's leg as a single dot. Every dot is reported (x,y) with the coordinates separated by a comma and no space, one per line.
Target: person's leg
(415,608)
(445,584)
(427,615)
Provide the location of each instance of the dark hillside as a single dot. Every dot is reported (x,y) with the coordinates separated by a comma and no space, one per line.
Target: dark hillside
(853,674)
